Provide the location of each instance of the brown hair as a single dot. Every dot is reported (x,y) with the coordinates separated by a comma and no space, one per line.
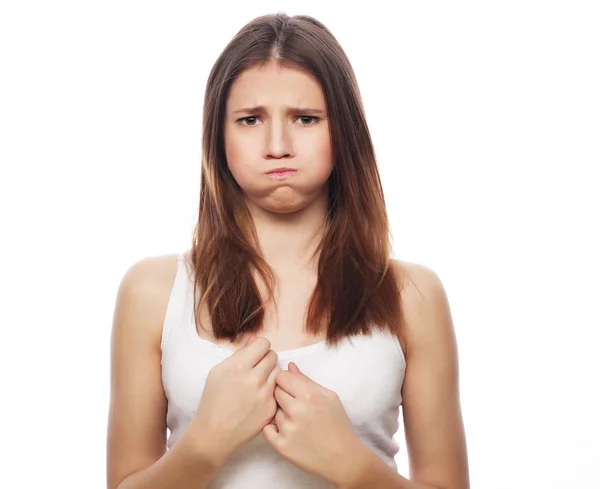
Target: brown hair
(357,287)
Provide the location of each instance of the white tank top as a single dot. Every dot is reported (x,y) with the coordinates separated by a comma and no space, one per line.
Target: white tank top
(366,372)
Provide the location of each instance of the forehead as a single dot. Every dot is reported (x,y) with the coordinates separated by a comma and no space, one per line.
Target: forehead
(273,85)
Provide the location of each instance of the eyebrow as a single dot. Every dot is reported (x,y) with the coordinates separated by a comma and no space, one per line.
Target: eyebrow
(261,109)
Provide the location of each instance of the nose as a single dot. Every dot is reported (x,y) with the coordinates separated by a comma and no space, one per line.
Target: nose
(278,142)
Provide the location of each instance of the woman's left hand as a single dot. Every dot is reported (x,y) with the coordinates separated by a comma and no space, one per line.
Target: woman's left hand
(311,428)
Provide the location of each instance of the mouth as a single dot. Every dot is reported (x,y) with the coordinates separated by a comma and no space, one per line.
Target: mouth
(280,173)
(281,169)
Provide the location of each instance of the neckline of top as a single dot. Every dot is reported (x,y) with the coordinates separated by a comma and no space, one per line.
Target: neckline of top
(212,348)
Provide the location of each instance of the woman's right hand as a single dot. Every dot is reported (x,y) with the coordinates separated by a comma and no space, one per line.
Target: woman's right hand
(237,401)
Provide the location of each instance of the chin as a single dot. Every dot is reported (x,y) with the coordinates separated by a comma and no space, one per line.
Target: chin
(290,201)
(284,208)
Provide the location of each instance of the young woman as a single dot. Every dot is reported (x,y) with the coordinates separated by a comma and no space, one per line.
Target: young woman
(278,350)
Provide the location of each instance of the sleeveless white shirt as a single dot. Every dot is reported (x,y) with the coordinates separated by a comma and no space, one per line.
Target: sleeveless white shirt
(366,372)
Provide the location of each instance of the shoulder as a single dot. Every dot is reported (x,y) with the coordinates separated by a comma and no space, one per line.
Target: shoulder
(425,307)
(151,272)
(143,294)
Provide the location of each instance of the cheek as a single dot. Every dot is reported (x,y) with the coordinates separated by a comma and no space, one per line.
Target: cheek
(322,154)
(237,155)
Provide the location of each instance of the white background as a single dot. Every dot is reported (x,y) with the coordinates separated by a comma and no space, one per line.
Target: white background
(486,122)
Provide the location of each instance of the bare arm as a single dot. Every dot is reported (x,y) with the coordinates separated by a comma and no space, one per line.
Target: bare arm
(136,438)
(368,470)
(180,468)
(433,422)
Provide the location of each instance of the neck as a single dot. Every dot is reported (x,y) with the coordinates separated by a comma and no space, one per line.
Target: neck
(288,240)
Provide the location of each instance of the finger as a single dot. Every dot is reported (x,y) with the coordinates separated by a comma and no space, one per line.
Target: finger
(280,419)
(266,365)
(253,352)
(284,399)
(292,367)
(271,380)
(291,383)
(271,434)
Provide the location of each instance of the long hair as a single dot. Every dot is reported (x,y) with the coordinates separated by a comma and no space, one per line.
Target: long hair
(357,288)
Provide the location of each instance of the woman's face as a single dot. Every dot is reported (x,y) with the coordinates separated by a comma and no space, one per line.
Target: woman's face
(276,117)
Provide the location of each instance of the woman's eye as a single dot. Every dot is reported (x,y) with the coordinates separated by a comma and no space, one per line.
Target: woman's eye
(305,119)
(308,117)
(248,119)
